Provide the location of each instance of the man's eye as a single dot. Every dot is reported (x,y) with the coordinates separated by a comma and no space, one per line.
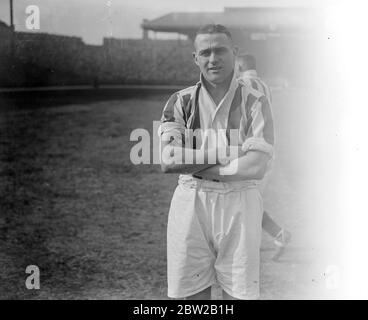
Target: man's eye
(220,51)
(204,53)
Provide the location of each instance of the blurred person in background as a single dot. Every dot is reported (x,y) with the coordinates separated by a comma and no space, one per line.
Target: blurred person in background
(247,72)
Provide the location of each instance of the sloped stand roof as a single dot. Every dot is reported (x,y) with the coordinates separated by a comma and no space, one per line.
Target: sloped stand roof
(252,19)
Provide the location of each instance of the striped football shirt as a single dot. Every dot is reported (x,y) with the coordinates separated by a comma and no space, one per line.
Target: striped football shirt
(250,78)
(243,108)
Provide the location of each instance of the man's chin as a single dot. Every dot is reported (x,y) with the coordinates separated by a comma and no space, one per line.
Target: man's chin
(215,79)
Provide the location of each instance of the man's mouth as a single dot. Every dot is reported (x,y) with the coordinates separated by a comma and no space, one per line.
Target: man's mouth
(214,68)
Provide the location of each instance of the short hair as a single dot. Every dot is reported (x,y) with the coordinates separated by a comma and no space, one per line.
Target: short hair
(213,28)
(248,60)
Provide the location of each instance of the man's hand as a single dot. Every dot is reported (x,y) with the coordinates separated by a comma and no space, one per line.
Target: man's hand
(229,153)
(252,165)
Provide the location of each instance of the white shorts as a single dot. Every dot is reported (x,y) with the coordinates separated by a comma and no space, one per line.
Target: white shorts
(214,235)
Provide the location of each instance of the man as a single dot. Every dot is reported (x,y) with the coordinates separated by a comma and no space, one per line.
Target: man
(248,73)
(214,225)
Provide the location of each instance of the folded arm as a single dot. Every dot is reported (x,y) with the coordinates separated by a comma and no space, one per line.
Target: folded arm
(177,159)
(257,148)
(252,165)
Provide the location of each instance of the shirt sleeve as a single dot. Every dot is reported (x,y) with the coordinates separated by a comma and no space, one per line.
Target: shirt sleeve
(260,131)
(172,121)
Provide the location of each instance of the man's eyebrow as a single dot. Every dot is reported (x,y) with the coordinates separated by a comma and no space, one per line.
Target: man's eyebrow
(212,49)
(204,50)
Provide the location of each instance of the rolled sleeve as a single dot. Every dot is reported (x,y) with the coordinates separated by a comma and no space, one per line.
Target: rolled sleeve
(172,121)
(260,131)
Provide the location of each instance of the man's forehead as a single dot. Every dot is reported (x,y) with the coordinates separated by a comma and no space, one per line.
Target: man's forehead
(203,41)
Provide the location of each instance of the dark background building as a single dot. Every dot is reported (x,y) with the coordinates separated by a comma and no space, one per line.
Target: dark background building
(283,39)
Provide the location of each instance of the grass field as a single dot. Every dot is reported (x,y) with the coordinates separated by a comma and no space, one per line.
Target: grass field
(74,205)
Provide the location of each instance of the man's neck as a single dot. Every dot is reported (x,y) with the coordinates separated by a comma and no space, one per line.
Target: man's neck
(218,90)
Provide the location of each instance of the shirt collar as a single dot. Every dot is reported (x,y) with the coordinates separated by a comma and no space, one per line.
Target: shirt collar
(224,106)
(233,83)
(250,73)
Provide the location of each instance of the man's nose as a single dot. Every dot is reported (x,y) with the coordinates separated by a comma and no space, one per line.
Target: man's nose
(213,57)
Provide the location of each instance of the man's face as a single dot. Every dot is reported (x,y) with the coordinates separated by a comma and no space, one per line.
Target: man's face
(215,56)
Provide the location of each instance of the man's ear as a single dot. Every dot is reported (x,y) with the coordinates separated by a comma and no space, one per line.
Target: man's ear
(235,50)
(195,58)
